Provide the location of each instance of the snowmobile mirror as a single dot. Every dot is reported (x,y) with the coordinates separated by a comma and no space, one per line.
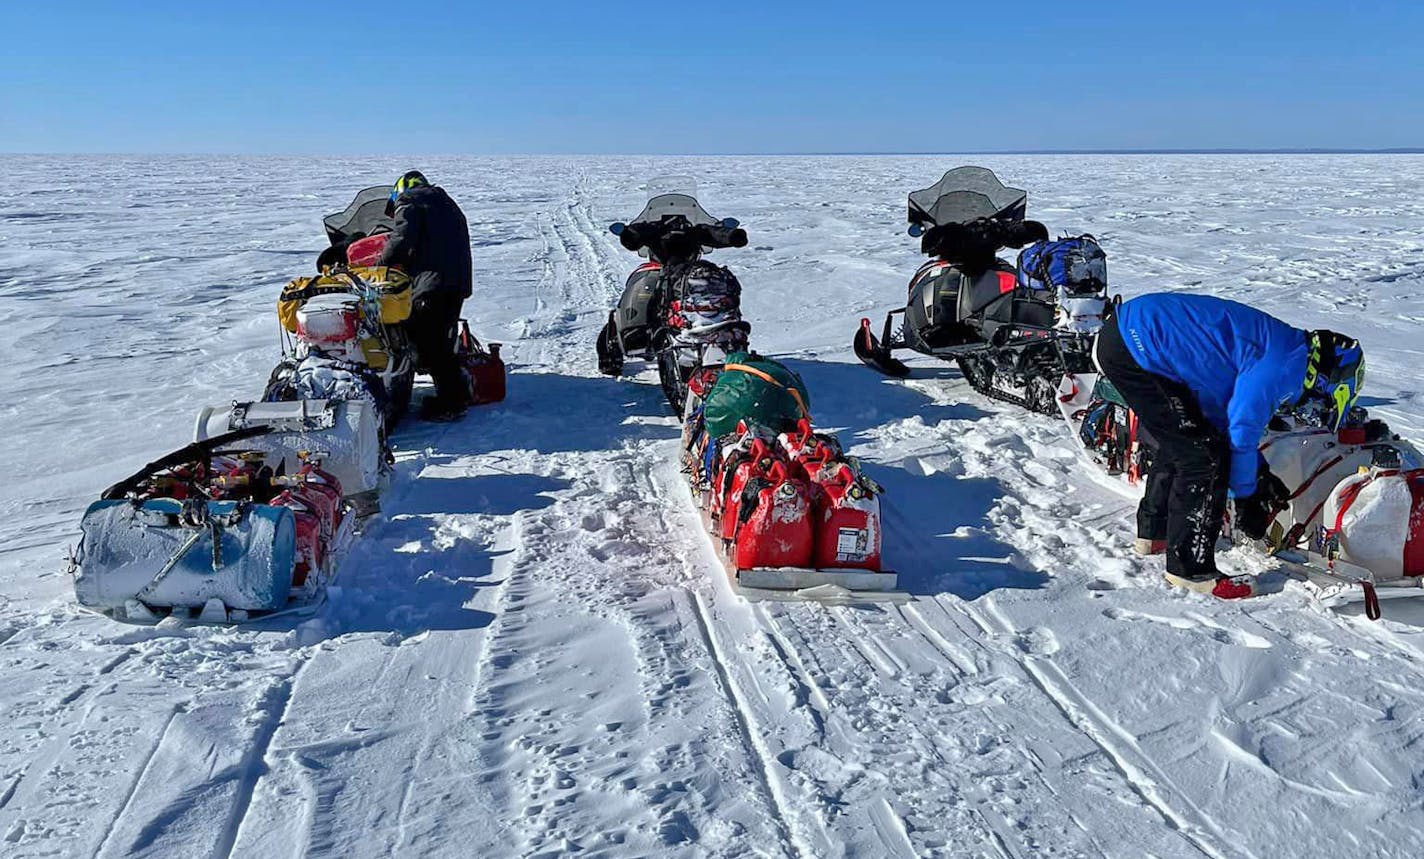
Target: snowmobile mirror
(617,228)
(730,223)
(916,230)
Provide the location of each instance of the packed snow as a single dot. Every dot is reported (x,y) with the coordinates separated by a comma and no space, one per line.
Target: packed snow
(533,651)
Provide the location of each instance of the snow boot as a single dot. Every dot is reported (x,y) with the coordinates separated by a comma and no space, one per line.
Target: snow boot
(1147,547)
(437,409)
(1219,586)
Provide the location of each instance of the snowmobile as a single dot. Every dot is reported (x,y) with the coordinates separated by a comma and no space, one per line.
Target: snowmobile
(1351,527)
(677,309)
(342,333)
(354,231)
(1013,330)
(216,532)
(343,340)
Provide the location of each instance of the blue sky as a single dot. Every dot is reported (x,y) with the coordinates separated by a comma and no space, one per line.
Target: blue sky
(685,77)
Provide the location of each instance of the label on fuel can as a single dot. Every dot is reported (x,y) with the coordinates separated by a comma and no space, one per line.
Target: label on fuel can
(851,544)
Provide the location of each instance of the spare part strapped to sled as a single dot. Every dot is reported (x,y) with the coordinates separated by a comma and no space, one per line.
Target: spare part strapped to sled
(215,533)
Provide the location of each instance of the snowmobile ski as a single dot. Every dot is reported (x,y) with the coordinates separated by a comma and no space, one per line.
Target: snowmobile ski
(873,354)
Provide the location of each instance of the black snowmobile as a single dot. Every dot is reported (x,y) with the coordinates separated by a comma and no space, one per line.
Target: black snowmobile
(365,216)
(676,309)
(378,354)
(1012,342)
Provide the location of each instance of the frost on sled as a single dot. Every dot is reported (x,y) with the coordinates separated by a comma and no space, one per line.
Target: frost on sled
(221,534)
(1351,525)
(252,518)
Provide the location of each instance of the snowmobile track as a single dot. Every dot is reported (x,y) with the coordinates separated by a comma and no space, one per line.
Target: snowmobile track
(746,727)
(273,706)
(1121,747)
(113,823)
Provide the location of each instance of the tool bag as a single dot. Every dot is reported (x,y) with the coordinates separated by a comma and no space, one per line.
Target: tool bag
(1075,271)
(367,251)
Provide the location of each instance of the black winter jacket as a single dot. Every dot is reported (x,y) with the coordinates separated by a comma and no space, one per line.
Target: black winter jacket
(431,241)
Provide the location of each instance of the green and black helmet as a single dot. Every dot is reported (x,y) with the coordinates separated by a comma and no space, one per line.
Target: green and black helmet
(410,179)
(1334,372)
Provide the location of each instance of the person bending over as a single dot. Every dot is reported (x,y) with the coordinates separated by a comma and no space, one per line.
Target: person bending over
(1205,375)
(431,242)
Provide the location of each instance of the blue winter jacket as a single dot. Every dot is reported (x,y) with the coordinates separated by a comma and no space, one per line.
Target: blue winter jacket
(1241,363)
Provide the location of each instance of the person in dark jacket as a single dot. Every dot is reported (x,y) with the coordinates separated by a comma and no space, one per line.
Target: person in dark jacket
(431,242)
(1205,376)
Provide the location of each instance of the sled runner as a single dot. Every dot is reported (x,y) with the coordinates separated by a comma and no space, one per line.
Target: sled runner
(1012,330)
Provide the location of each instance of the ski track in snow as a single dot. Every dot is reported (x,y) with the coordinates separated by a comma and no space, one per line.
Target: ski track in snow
(533,650)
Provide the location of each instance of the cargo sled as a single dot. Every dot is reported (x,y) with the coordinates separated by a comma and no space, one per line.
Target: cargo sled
(1351,528)
(220,531)
(792,517)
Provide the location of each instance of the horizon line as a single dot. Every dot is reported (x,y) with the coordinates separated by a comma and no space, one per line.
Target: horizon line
(1405,150)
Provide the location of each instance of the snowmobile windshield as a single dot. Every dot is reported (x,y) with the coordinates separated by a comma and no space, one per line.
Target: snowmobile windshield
(365,216)
(966,194)
(673,195)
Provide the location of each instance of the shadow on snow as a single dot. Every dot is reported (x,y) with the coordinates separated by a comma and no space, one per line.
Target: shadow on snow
(938,535)
(416,569)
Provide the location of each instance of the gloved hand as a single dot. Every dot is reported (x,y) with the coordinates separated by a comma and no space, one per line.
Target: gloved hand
(1255,512)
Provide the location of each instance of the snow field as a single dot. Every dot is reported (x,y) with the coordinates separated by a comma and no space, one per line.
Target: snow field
(533,651)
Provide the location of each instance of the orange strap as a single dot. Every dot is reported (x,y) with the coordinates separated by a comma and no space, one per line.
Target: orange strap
(767,377)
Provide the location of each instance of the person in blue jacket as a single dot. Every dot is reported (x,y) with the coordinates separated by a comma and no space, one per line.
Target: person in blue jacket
(1205,375)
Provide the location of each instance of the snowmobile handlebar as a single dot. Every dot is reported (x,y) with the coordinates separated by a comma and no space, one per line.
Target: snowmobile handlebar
(975,242)
(677,237)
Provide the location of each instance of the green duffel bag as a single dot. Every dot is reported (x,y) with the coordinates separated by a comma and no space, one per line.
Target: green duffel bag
(1106,390)
(757,390)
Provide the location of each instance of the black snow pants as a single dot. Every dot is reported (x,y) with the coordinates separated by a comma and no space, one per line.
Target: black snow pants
(432,328)
(1185,496)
